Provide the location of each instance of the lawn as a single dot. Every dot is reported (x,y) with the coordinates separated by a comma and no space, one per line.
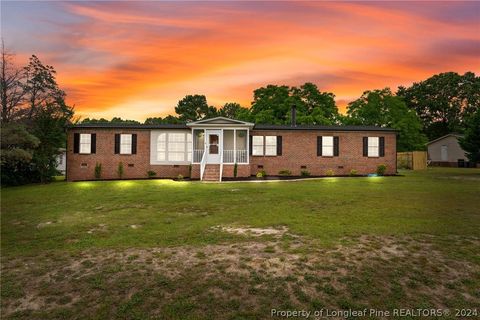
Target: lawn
(189,250)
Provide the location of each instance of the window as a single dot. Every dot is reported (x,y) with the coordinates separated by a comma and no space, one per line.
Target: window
(173,147)
(125,144)
(270,145)
(176,147)
(257,146)
(162,147)
(85,143)
(327,146)
(373,147)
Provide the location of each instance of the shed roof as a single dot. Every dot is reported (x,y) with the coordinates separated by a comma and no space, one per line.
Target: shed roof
(457,135)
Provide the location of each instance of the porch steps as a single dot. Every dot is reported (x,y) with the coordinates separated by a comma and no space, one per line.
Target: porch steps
(212,172)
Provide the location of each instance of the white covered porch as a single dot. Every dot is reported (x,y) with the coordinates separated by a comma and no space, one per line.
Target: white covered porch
(219,141)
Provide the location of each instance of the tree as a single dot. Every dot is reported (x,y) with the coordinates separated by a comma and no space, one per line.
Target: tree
(317,107)
(17,147)
(126,121)
(381,108)
(11,86)
(443,101)
(193,108)
(93,120)
(49,127)
(41,87)
(232,110)
(167,120)
(34,105)
(272,104)
(470,142)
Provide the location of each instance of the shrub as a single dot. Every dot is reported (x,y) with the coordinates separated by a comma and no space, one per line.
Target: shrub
(120,170)
(353,173)
(98,170)
(180,177)
(261,174)
(189,170)
(381,168)
(330,172)
(235,170)
(305,173)
(285,172)
(151,173)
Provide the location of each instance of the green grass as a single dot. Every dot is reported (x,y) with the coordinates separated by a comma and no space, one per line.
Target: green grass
(178,213)
(120,244)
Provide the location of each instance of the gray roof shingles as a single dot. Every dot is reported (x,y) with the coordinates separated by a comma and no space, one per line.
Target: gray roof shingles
(257,127)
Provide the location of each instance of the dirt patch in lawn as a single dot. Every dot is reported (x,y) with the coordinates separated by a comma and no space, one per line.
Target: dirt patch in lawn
(243,279)
(250,231)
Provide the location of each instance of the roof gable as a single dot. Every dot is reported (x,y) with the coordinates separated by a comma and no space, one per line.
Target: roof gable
(456,135)
(219,121)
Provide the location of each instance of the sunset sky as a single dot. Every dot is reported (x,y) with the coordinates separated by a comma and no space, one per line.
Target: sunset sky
(136,59)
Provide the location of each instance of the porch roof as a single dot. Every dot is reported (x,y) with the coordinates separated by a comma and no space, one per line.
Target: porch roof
(220,122)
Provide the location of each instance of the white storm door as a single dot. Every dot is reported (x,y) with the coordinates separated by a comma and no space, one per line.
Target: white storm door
(214,146)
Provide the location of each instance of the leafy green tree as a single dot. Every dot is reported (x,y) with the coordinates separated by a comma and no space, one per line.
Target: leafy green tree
(232,110)
(47,115)
(49,127)
(194,107)
(113,120)
(41,87)
(159,120)
(382,108)
(42,113)
(470,142)
(272,104)
(443,101)
(126,121)
(88,120)
(318,107)
(17,147)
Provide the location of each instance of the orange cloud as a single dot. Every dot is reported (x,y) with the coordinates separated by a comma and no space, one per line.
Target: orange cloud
(138,59)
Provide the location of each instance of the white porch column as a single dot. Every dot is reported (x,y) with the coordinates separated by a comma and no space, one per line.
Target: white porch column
(234,145)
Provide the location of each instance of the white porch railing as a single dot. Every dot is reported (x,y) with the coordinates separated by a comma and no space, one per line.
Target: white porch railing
(197,155)
(229,156)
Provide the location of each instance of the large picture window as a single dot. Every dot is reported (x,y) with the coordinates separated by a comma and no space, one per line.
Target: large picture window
(173,147)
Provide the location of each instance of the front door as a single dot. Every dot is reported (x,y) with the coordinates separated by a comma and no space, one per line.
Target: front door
(444,153)
(214,146)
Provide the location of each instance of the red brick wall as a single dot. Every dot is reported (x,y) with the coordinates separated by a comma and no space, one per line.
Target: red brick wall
(243,170)
(299,148)
(109,160)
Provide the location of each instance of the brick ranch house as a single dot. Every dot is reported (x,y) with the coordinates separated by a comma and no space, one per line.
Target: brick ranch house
(208,149)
